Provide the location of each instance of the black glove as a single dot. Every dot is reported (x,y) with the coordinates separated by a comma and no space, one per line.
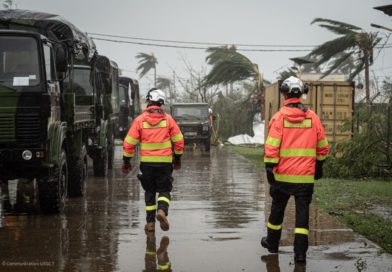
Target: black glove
(318,174)
(269,167)
(176,164)
(126,167)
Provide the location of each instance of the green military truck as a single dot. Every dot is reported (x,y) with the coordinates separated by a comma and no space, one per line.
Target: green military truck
(129,105)
(194,122)
(54,107)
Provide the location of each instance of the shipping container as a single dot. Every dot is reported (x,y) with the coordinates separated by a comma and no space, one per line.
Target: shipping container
(333,101)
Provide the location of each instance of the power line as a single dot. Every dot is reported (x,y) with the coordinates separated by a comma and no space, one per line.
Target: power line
(214,43)
(198,47)
(199,43)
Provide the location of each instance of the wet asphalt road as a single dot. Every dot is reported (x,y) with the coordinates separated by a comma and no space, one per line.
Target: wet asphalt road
(217,218)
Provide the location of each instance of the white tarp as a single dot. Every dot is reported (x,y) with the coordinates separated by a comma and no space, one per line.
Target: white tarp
(258,130)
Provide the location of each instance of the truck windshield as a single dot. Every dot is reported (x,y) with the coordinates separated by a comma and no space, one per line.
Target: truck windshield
(19,64)
(188,111)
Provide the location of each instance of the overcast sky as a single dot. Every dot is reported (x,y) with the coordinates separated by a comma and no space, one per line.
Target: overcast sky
(274,22)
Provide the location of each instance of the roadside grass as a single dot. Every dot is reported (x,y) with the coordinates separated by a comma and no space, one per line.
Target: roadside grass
(352,202)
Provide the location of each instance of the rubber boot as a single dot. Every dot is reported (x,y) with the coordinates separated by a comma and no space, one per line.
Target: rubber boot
(164,223)
(271,241)
(300,247)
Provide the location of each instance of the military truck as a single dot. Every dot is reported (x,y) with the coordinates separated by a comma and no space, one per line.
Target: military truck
(54,111)
(107,117)
(194,122)
(129,105)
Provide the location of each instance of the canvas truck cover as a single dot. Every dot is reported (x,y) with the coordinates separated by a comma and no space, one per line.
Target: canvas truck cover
(52,26)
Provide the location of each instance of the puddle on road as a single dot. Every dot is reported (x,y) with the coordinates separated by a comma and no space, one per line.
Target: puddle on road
(217,218)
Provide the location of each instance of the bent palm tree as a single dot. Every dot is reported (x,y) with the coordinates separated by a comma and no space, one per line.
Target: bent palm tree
(146,63)
(352,42)
(229,66)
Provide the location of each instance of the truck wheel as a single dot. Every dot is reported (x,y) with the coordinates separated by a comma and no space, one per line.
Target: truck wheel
(100,164)
(110,153)
(53,189)
(77,174)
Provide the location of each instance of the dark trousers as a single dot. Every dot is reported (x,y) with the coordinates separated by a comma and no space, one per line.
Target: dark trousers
(156,178)
(279,202)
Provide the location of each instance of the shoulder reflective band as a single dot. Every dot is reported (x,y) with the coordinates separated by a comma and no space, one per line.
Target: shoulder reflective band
(301,231)
(165,199)
(131,140)
(151,208)
(153,146)
(161,124)
(274,227)
(297,152)
(294,178)
(322,143)
(273,141)
(306,123)
(177,137)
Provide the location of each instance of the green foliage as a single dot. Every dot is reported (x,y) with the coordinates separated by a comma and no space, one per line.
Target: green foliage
(354,203)
(369,152)
(236,112)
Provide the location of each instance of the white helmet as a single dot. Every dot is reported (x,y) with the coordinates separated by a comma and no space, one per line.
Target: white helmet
(156,95)
(293,85)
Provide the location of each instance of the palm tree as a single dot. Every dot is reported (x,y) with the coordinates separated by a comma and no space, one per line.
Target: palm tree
(352,42)
(146,63)
(229,66)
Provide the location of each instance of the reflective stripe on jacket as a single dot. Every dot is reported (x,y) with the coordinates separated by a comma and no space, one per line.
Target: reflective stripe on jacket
(156,131)
(296,139)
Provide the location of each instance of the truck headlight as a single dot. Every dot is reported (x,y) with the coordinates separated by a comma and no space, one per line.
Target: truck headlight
(27,155)
(206,127)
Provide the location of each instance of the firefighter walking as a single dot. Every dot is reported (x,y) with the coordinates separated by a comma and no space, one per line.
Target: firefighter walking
(157,132)
(295,150)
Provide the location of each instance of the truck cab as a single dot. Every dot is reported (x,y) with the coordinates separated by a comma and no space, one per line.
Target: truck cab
(194,122)
(52,105)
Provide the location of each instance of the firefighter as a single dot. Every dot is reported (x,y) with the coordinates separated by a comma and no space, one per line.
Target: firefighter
(295,150)
(157,132)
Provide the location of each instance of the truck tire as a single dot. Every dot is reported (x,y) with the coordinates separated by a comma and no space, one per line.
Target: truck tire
(100,164)
(53,189)
(77,174)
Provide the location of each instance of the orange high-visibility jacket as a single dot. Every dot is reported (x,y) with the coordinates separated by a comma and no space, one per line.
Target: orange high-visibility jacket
(296,139)
(156,131)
